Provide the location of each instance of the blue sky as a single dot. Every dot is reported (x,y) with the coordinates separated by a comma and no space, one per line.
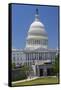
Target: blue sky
(24,15)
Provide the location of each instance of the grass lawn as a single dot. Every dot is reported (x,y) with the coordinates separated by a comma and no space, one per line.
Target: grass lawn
(38,81)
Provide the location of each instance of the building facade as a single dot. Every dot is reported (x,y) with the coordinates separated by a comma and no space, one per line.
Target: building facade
(36,52)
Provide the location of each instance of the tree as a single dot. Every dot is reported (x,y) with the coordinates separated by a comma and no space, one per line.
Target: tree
(27,69)
(56,65)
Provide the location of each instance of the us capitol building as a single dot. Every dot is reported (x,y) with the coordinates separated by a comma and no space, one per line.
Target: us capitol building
(36,52)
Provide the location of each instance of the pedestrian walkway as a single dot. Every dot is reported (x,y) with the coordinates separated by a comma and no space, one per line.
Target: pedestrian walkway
(28,79)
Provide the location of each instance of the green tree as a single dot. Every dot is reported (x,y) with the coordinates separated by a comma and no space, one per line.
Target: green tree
(27,69)
(56,65)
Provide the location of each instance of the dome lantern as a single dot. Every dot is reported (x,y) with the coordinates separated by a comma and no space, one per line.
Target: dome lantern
(37,15)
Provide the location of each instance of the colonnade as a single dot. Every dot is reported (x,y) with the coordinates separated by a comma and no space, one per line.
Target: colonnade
(38,56)
(37,42)
(30,57)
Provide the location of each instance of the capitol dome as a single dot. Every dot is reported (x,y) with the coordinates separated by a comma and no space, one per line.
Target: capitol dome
(37,36)
(37,28)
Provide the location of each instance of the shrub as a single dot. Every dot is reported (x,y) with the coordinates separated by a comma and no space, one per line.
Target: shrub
(18,74)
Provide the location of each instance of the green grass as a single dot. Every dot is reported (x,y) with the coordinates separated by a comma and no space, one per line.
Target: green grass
(38,81)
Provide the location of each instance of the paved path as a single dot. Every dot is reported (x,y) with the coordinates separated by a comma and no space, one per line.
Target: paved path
(25,80)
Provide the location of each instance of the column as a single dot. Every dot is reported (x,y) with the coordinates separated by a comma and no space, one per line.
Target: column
(37,71)
(16,59)
(34,69)
(38,56)
(32,57)
(44,71)
(48,55)
(44,56)
(27,58)
(35,56)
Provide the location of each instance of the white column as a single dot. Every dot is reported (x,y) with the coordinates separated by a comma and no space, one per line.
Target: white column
(45,71)
(48,55)
(34,69)
(44,55)
(16,59)
(38,71)
(41,56)
(38,56)
(27,58)
(30,56)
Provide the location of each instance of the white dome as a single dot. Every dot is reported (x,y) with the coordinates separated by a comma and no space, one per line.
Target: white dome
(37,28)
(37,36)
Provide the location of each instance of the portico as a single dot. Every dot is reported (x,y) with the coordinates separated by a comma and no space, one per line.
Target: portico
(42,70)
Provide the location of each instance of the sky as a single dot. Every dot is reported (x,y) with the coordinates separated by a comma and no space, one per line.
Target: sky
(24,15)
